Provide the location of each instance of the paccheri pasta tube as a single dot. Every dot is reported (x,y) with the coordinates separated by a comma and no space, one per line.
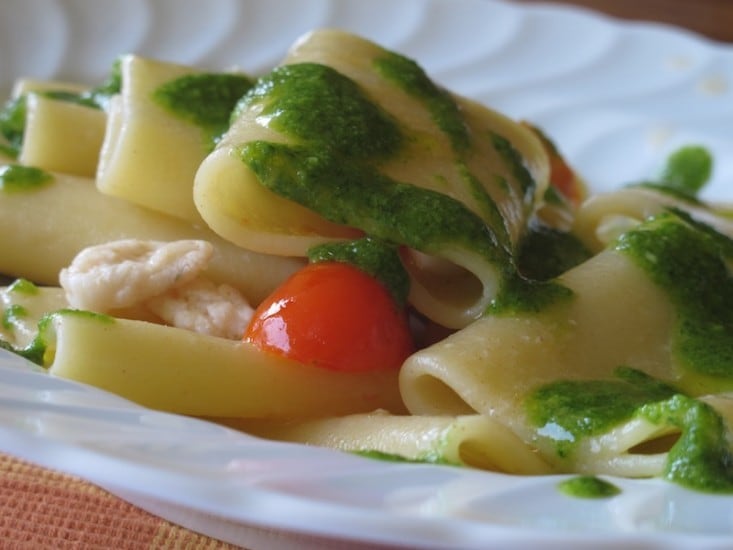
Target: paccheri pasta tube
(587,378)
(345,135)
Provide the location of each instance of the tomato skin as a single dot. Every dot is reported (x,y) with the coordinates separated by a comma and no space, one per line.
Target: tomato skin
(565,180)
(335,316)
(562,177)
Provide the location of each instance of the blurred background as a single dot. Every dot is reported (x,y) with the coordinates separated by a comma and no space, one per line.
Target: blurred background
(712,18)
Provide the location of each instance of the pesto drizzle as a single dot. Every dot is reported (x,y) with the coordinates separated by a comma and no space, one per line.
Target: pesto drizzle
(204,99)
(688,261)
(566,411)
(37,350)
(349,192)
(12,125)
(588,487)
(324,108)
(378,258)
(11,314)
(701,458)
(23,286)
(412,79)
(546,253)
(13,113)
(16,178)
(341,134)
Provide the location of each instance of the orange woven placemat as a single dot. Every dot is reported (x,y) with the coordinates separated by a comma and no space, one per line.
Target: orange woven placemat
(41,508)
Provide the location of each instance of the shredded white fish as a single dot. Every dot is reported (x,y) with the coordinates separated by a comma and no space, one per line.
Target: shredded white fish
(205,307)
(165,278)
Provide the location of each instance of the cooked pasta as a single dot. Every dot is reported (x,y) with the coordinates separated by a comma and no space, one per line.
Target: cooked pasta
(532,327)
(46,224)
(150,152)
(476,440)
(61,136)
(472,171)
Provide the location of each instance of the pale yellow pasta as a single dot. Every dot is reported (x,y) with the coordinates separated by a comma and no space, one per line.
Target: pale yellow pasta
(23,305)
(45,227)
(62,136)
(617,317)
(603,217)
(237,206)
(150,155)
(185,372)
(478,441)
(23,86)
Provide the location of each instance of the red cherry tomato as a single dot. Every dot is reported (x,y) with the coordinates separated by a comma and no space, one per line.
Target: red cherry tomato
(335,316)
(562,177)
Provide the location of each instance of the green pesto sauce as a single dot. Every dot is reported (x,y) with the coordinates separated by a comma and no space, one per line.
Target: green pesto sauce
(340,134)
(350,192)
(112,85)
(569,410)
(686,260)
(36,350)
(488,206)
(588,487)
(23,286)
(378,258)
(318,105)
(413,80)
(520,295)
(15,177)
(546,253)
(701,458)
(12,125)
(13,113)
(687,170)
(94,98)
(205,100)
(393,457)
(12,314)
(513,159)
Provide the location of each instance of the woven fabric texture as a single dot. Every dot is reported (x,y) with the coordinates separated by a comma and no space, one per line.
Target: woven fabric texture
(43,509)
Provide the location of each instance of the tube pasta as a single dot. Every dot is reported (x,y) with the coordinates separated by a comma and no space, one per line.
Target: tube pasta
(617,317)
(233,201)
(150,155)
(189,373)
(23,305)
(603,217)
(69,214)
(473,440)
(61,136)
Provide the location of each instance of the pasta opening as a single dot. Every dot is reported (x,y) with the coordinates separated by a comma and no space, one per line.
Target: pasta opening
(474,453)
(443,280)
(443,400)
(656,445)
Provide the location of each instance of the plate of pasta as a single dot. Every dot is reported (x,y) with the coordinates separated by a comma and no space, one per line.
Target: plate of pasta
(421,274)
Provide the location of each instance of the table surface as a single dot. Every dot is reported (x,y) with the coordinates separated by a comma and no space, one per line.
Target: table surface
(41,508)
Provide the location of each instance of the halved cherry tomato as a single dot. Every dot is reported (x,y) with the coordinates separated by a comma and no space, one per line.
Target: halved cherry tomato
(335,316)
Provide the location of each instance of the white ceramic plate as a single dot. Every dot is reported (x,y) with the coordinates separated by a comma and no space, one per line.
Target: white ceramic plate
(616,98)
